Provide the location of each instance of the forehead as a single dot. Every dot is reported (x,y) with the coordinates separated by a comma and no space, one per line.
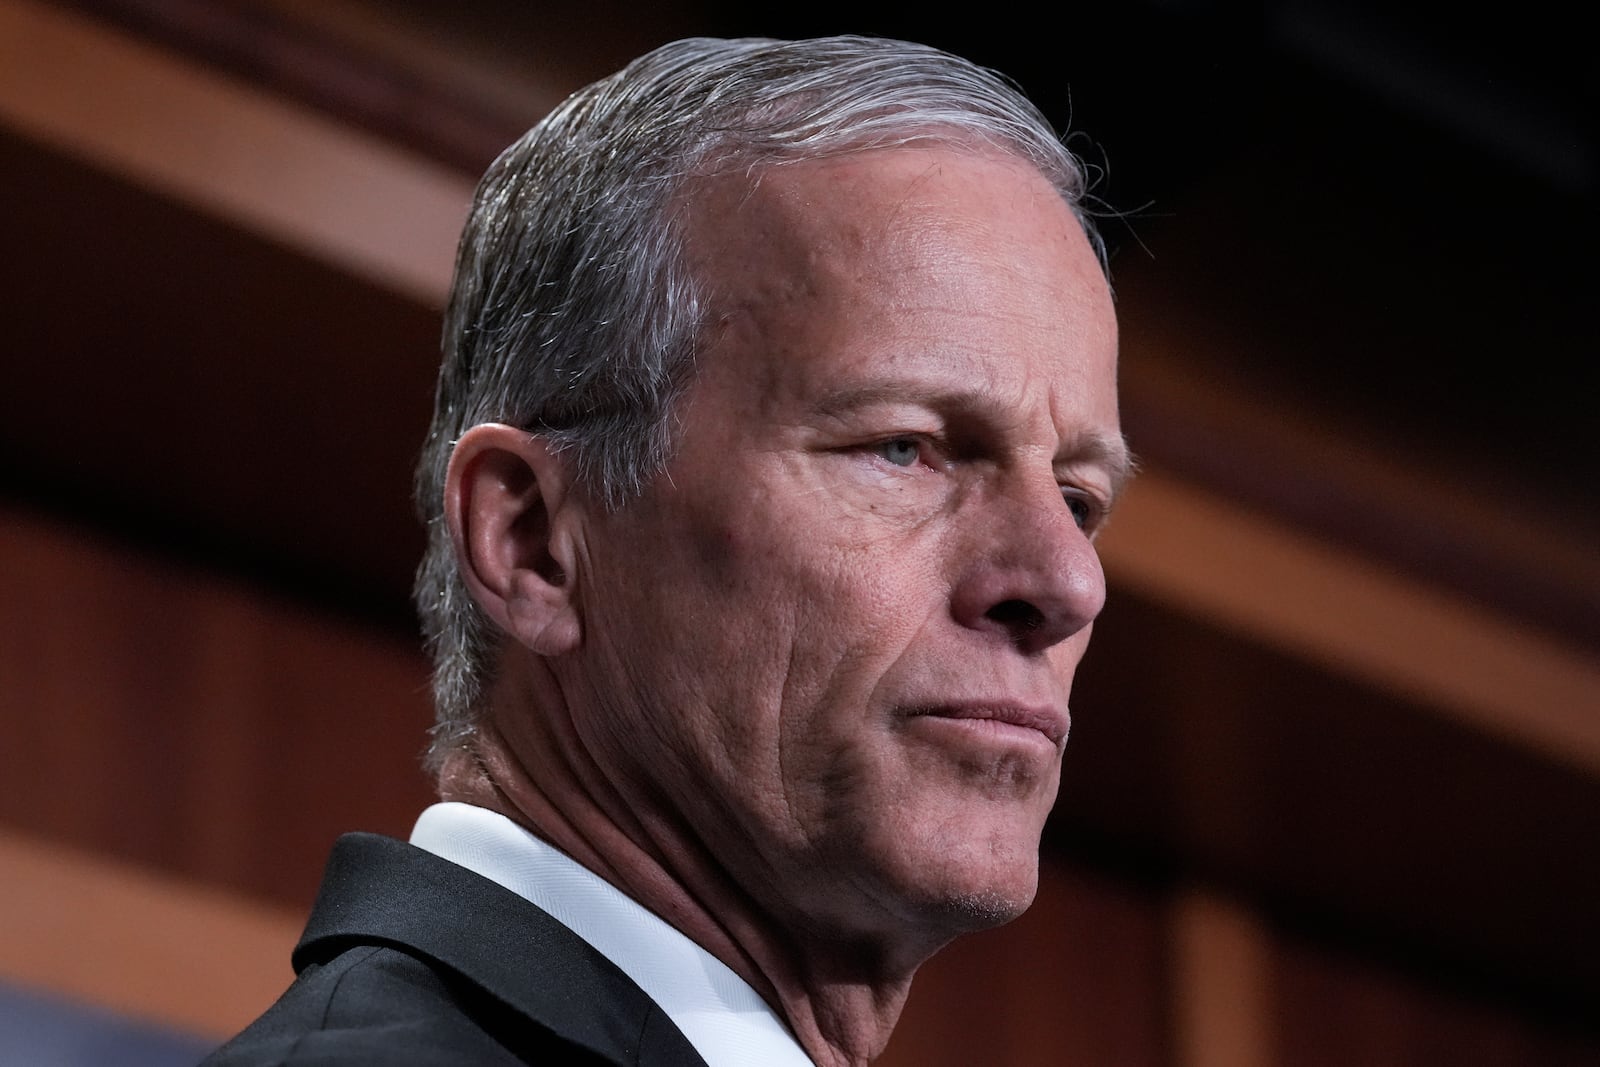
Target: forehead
(952,261)
(787,214)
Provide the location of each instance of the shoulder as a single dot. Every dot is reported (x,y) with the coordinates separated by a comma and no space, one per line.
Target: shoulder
(408,959)
(375,1005)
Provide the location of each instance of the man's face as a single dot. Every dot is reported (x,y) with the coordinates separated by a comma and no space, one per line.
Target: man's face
(830,649)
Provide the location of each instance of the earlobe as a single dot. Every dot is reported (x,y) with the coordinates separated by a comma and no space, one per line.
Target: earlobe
(504,498)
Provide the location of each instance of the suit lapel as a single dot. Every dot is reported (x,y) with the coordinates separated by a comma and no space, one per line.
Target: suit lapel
(381,891)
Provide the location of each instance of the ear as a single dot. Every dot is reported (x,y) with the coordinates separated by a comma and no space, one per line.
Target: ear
(503,498)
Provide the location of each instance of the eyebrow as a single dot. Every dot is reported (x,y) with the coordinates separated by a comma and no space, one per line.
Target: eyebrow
(1110,451)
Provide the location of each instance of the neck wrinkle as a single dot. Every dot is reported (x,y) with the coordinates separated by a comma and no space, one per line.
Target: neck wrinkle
(532,767)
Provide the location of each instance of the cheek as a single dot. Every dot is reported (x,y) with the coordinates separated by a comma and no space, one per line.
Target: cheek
(716,554)
(778,612)
(1066,656)
(861,628)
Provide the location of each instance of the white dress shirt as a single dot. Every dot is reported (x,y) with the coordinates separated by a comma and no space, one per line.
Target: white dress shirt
(726,1020)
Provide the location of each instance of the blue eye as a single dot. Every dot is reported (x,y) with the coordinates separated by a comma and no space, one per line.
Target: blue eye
(901,451)
(1083,510)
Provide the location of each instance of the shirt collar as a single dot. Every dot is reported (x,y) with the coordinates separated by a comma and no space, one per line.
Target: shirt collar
(723,1017)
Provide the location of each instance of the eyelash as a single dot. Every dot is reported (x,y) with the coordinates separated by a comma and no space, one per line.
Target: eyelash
(1087,511)
(1092,510)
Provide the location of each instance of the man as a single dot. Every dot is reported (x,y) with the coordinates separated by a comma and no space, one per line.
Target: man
(776,420)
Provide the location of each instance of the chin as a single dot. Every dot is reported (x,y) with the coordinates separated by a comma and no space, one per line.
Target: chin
(974,892)
(970,912)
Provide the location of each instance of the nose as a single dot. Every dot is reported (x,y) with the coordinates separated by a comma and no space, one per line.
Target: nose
(1034,579)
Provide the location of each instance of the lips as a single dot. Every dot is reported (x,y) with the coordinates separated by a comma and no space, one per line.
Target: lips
(1049,721)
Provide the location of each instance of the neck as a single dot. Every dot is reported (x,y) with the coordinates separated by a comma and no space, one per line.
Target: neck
(841,998)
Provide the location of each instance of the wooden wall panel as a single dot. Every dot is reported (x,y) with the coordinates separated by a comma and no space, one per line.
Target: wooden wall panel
(1332,1009)
(193,724)
(205,389)
(1221,1000)
(352,198)
(1197,755)
(151,948)
(1078,980)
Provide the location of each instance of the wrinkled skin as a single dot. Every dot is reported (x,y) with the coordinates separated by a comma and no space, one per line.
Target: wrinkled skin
(906,419)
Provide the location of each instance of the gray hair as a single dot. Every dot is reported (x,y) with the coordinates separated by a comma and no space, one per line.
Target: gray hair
(573,315)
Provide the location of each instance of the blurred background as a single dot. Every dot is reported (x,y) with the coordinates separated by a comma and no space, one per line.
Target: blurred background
(1333,792)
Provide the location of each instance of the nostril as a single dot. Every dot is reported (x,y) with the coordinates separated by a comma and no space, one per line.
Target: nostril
(1018,616)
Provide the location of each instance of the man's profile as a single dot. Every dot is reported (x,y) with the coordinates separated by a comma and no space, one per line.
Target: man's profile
(776,418)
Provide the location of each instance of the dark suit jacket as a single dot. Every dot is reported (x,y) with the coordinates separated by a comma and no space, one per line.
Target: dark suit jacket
(409,959)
